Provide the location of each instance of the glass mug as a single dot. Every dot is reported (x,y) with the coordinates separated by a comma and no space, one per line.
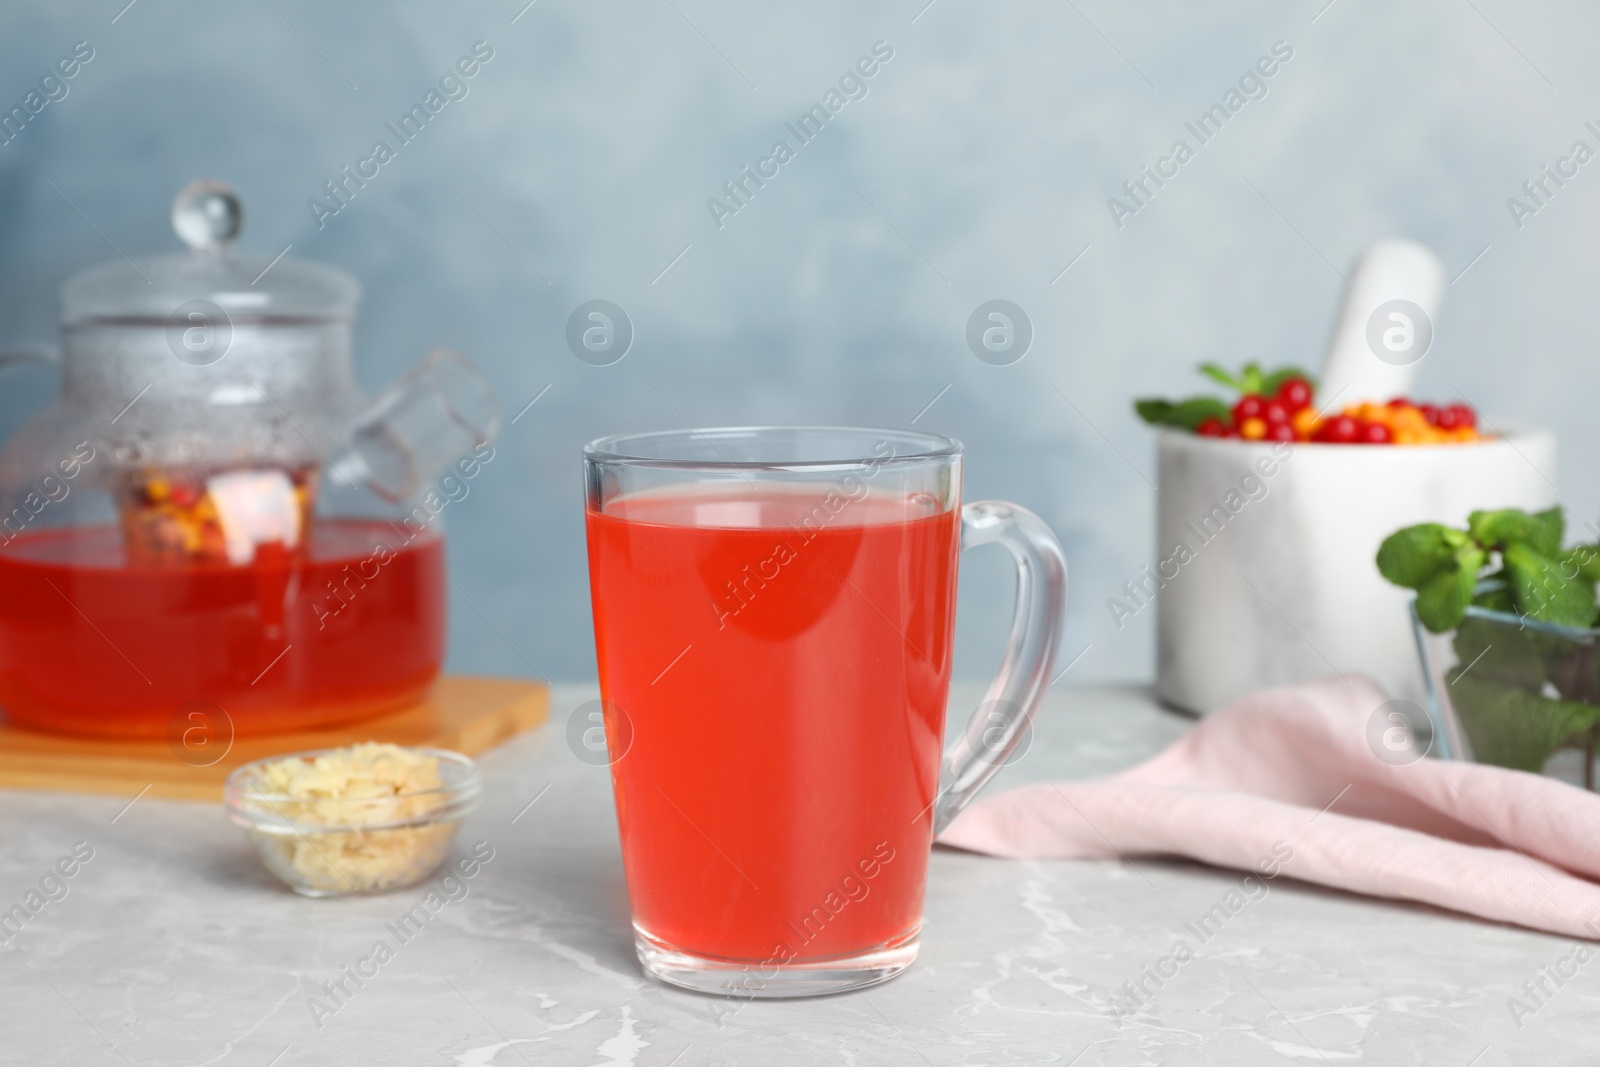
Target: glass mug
(773,615)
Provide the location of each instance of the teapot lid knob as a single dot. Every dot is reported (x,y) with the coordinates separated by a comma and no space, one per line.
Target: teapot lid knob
(207,215)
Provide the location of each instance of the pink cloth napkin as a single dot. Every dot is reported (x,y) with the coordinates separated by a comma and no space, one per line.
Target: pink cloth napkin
(1291,773)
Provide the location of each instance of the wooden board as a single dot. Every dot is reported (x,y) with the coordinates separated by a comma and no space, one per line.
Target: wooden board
(468,715)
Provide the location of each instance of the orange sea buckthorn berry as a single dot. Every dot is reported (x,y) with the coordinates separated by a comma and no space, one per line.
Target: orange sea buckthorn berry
(1253,429)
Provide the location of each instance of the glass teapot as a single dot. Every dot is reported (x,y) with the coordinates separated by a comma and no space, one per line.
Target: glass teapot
(212,523)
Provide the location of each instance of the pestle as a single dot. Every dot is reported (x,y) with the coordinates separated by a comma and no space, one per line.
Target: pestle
(1385,327)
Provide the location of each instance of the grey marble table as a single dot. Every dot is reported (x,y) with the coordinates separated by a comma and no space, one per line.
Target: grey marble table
(173,946)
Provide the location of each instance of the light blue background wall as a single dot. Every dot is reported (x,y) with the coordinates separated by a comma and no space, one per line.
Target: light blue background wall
(978,166)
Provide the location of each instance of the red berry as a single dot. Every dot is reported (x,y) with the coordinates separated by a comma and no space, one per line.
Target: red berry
(1465,416)
(1212,427)
(1398,402)
(1448,419)
(1341,430)
(1376,433)
(1248,407)
(1275,412)
(1295,393)
(1429,412)
(1280,431)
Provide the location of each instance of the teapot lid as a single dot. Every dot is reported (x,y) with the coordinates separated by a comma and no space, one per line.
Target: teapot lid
(208,216)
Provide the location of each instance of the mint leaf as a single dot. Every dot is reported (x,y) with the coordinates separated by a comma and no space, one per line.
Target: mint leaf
(1497,598)
(1494,529)
(1510,727)
(1222,377)
(1511,653)
(1188,414)
(1411,556)
(1443,598)
(1554,522)
(1544,592)
(1585,558)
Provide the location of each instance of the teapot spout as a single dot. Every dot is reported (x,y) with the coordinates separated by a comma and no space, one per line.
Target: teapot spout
(419,425)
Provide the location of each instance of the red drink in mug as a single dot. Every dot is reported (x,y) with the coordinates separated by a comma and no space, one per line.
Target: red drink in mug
(773,613)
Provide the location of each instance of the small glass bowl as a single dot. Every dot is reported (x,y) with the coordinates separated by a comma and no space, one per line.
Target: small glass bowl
(1515,692)
(330,848)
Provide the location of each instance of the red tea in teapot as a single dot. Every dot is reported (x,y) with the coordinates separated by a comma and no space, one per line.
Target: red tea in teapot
(97,639)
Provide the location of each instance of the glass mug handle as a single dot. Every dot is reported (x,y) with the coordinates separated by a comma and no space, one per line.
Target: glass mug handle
(1002,720)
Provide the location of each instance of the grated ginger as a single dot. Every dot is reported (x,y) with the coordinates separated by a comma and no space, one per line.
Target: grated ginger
(367,784)
(324,788)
